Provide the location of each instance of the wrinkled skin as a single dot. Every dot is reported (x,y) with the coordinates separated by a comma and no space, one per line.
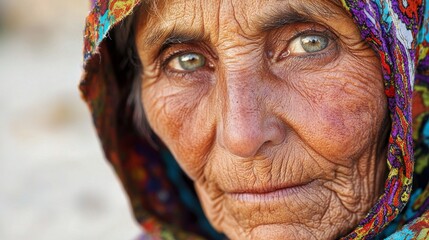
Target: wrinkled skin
(280,142)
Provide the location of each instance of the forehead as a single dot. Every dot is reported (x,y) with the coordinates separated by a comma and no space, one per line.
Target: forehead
(179,8)
(247,17)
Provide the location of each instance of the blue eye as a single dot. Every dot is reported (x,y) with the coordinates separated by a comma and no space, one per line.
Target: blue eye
(188,62)
(308,44)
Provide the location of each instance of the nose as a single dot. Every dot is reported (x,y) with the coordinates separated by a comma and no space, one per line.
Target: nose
(248,124)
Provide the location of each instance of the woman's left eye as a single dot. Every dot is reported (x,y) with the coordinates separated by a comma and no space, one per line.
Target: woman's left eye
(308,44)
(187,62)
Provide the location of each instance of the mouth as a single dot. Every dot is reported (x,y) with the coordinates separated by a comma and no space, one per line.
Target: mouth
(269,194)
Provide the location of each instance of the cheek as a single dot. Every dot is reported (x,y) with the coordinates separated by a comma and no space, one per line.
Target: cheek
(180,117)
(342,109)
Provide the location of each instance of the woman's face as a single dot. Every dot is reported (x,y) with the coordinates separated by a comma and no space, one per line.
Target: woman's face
(275,109)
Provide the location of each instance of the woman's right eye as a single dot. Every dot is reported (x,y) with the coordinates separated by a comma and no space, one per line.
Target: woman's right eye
(187,62)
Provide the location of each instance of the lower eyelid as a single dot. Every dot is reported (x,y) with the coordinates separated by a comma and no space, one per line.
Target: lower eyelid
(331,51)
(189,79)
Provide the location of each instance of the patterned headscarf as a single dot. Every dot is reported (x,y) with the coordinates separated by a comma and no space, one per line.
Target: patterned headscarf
(398,30)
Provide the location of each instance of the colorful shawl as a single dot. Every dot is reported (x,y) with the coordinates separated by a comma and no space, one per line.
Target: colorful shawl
(399,32)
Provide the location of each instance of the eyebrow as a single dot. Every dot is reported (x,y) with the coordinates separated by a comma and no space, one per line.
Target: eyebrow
(283,18)
(294,14)
(173,36)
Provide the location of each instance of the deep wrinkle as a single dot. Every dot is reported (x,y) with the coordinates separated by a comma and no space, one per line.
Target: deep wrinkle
(244,123)
(168,34)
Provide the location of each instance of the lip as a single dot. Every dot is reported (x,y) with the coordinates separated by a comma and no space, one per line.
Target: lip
(268,194)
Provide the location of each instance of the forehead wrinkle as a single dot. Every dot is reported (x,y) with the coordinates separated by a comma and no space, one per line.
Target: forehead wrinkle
(272,17)
(174,25)
(298,12)
(163,37)
(239,16)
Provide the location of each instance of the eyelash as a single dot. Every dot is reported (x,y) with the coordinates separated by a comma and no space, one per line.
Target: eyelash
(318,55)
(312,31)
(184,77)
(165,60)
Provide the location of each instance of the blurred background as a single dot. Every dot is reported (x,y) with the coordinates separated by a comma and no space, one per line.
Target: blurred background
(54,181)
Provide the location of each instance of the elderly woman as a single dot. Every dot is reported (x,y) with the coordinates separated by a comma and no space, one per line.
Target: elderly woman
(287,119)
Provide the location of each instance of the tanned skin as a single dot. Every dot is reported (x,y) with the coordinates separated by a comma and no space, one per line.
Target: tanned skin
(275,109)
